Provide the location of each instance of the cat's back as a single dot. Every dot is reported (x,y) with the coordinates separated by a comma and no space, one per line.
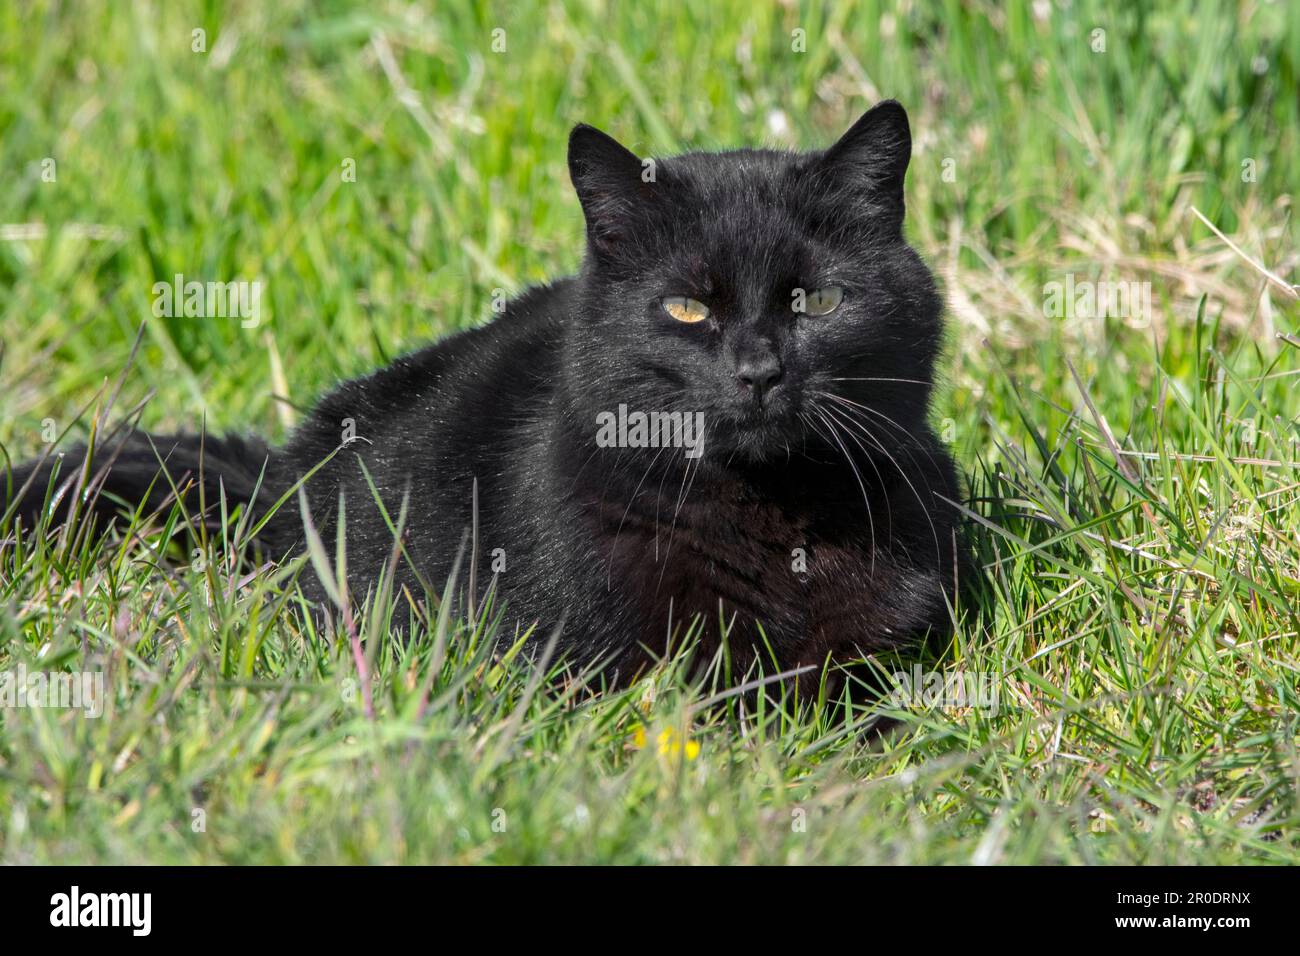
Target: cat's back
(501,369)
(430,424)
(464,381)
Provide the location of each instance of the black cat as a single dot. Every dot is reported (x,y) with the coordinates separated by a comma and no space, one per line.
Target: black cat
(722,419)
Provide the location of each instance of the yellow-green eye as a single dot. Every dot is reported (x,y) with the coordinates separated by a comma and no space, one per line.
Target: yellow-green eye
(820,301)
(685,310)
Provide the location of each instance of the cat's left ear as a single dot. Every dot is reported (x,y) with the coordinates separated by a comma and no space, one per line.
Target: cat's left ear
(871,159)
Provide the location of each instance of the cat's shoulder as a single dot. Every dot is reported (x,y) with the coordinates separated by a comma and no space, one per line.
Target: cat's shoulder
(527,322)
(546,300)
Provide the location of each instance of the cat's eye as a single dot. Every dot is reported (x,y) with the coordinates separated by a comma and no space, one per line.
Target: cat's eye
(685,310)
(821,301)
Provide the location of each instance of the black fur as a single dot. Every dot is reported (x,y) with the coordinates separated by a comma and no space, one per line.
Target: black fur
(627,545)
(140,470)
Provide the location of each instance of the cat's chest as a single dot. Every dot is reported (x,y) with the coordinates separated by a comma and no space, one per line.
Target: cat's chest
(810,578)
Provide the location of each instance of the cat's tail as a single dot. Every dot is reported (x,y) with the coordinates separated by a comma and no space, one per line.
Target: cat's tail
(141,471)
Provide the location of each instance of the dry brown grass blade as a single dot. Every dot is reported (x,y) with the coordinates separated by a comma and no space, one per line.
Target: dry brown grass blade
(1259,267)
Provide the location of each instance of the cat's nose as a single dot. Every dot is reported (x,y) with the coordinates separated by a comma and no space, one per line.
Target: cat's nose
(758,375)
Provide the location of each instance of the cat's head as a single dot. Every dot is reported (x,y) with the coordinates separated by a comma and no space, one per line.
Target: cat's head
(753,285)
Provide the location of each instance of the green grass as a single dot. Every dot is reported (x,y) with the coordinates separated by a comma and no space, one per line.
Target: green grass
(1138,524)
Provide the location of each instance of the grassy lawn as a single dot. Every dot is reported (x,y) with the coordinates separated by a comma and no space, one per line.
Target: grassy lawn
(1135,480)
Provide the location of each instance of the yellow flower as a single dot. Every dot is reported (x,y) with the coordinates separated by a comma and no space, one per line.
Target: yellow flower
(667,743)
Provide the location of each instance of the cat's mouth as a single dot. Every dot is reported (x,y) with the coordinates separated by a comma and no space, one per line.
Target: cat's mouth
(761,432)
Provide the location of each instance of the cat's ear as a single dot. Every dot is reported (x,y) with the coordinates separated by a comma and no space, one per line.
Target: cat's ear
(609,181)
(871,159)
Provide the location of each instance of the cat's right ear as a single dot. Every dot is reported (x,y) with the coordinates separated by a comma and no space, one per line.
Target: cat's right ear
(609,182)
